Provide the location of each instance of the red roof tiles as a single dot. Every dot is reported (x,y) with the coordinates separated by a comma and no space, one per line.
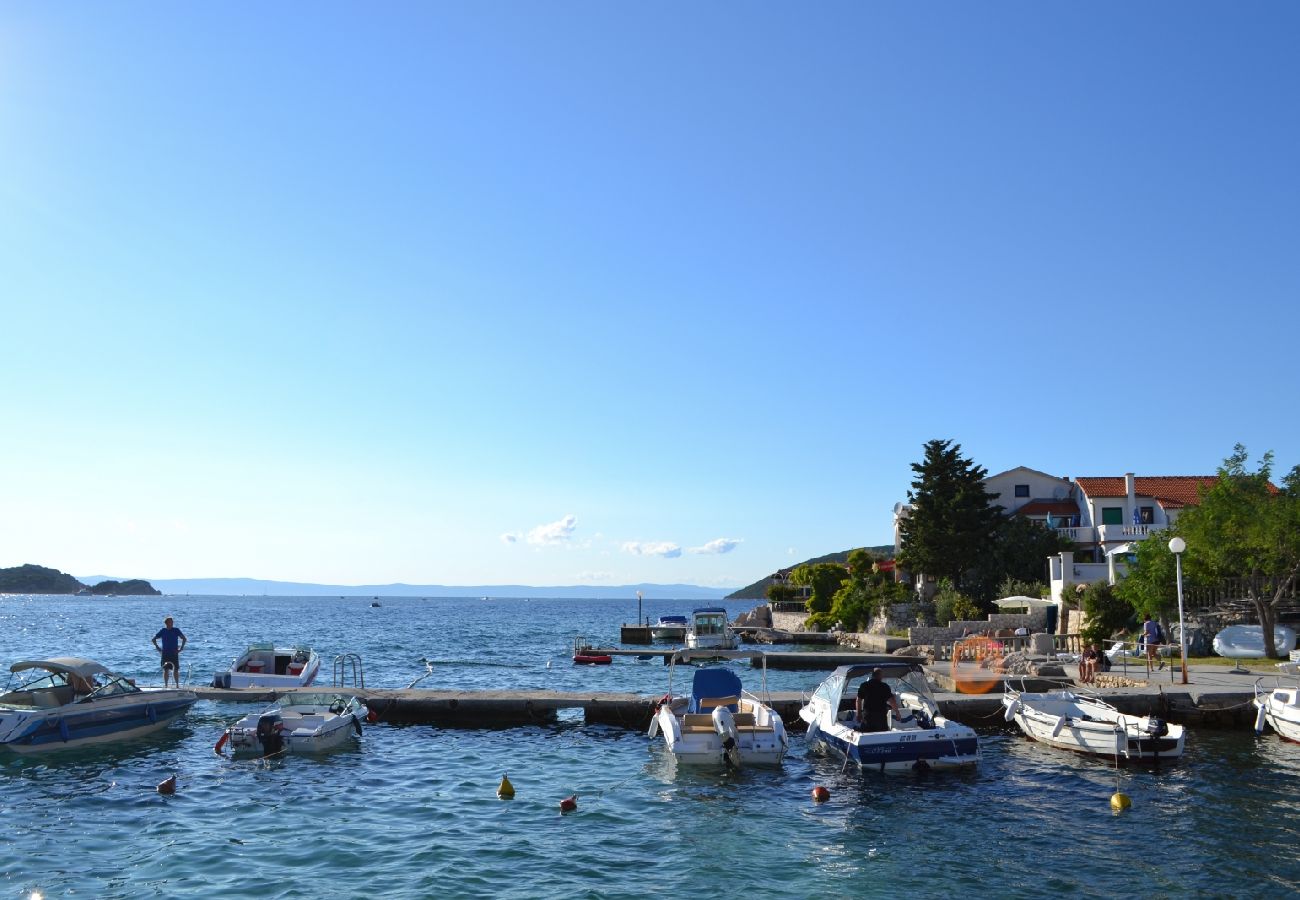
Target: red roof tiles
(1170,491)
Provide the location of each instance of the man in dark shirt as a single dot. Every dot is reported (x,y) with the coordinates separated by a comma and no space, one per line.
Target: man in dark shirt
(173,642)
(875,699)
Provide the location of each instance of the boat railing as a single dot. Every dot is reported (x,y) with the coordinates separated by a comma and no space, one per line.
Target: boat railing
(348,671)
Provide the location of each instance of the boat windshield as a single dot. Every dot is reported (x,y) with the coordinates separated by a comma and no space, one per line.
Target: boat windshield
(113,685)
(711,623)
(321,699)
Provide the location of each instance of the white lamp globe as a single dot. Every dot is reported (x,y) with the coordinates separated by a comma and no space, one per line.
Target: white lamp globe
(1177,545)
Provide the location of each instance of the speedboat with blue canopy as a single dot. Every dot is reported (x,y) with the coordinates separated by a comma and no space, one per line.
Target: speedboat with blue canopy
(70,702)
(719,724)
(919,737)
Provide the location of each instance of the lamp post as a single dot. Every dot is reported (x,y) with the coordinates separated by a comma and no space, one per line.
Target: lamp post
(1176,547)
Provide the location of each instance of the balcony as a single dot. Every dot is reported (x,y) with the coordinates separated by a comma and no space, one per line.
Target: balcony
(1111,534)
(1080,534)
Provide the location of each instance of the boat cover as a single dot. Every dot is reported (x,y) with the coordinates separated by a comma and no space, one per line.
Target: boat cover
(712,683)
(66,664)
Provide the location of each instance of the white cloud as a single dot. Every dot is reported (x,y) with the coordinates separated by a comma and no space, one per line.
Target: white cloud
(716,547)
(595,576)
(556,533)
(510,537)
(666,549)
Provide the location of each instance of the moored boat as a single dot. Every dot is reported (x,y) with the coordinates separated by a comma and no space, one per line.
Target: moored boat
(300,723)
(1247,641)
(586,655)
(920,737)
(264,665)
(1279,707)
(669,628)
(72,702)
(1087,724)
(709,629)
(719,724)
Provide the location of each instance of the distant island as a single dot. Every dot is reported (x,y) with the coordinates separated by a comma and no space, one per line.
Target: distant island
(258,586)
(30,579)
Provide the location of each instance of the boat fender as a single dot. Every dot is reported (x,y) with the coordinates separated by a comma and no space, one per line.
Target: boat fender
(356,723)
(221,742)
(1260,718)
(63,730)
(371,716)
(653,730)
(725,725)
(1012,708)
(1060,723)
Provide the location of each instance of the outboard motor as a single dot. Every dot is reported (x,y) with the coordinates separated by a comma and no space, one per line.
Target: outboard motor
(268,734)
(1157,727)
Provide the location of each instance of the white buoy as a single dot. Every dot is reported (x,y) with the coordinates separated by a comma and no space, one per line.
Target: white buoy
(1260,718)
(1012,708)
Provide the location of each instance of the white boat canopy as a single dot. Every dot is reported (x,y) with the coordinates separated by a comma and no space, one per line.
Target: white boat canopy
(74,665)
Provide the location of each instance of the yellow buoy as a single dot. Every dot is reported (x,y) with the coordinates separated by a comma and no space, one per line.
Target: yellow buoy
(1119,801)
(506,791)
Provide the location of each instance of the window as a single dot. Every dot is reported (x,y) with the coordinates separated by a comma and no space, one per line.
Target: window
(1022,490)
(1147,514)
(1112,515)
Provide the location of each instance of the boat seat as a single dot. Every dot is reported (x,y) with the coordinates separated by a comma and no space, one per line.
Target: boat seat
(697,722)
(710,702)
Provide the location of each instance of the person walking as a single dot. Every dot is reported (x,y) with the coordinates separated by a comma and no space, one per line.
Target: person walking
(173,642)
(1151,640)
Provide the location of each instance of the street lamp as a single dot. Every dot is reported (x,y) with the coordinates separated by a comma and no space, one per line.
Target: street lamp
(1176,547)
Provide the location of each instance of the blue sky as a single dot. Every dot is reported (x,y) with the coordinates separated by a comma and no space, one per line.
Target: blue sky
(598,293)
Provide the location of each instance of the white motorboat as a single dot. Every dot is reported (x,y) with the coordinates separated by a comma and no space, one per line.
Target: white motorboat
(72,702)
(919,738)
(709,629)
(1087,724)
(719,724)
(268,666)
(300,723)
(1247,641)
(1279,707)
(669,628)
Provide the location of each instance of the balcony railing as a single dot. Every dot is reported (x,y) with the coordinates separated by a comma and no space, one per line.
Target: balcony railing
(1107,533)
(1080,534)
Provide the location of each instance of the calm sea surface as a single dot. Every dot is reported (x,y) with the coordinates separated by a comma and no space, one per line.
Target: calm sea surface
(412,811)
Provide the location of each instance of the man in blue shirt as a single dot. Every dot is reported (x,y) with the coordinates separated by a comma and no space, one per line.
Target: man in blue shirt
(173,642)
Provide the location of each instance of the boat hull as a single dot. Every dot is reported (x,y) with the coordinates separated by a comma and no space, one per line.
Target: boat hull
(1061,720)
(1279,710)
(299,730)
(37,731)
(698,740)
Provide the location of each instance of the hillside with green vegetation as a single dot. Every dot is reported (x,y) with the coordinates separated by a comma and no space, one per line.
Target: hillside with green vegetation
(30,579)
(758,590)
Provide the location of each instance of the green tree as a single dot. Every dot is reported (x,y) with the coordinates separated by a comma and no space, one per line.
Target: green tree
(824,579)
(952,523)
(1017,551)
(1105,612)
(865,592)
(1151,585)
(1246,528)
(778,591)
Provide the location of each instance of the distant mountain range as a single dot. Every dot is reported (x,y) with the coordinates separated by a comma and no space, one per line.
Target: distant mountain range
(257,586)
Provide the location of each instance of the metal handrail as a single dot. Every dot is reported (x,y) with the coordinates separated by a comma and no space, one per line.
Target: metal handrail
(346,663)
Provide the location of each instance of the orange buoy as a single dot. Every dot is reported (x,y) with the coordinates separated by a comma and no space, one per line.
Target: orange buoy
(569,804)
(371,716)
(167,786)
(821,794)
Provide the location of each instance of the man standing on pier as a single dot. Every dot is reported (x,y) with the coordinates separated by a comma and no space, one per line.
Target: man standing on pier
(173,642)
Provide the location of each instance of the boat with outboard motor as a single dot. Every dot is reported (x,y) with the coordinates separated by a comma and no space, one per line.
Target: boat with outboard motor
(669,628)
(72,702)
(299,723)
(719,723)
(1084,723)
(920,737)
(1279,706)
(709,629)
(264,665)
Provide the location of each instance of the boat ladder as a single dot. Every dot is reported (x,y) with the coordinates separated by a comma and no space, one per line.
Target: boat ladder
(348,671)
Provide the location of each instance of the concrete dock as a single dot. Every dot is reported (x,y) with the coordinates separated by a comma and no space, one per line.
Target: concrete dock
(1215,698)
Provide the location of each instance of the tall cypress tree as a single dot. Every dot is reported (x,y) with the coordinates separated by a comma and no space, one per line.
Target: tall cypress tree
(952,520)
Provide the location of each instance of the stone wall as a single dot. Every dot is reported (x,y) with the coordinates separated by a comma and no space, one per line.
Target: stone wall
(930,635)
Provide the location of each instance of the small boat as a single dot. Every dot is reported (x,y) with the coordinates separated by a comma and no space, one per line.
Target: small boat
(375,603)
(709,629)
(1247,641)
(300,723)
(719,724)
(72,702)
(1280,706)
(1088,724)
(266,665)
(586,655)
(919,738)
(669,628)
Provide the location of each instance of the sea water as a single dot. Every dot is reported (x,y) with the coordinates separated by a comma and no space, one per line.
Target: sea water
(412,811)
